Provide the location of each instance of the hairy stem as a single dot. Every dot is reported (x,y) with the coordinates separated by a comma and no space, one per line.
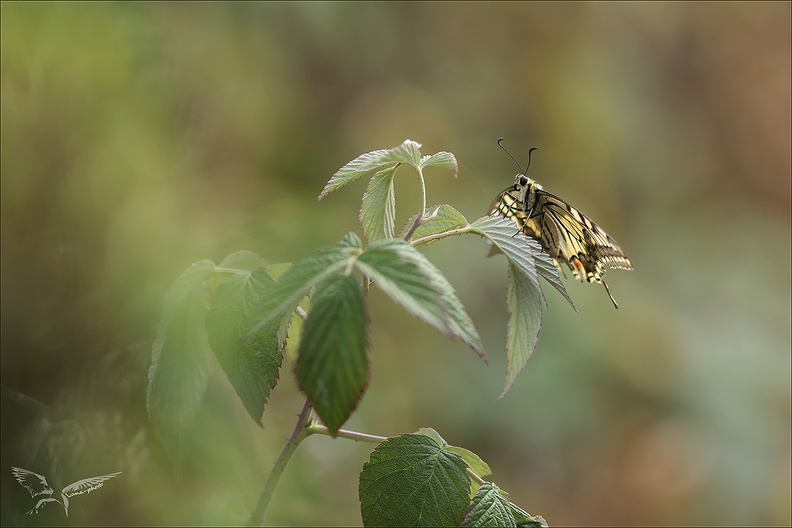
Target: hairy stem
(372,439)
(232,270)
(475,477)
(350,435)
(437,236)
(419,218)
(299,434)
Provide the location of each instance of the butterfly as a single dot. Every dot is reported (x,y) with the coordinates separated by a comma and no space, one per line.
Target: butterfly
(566,234)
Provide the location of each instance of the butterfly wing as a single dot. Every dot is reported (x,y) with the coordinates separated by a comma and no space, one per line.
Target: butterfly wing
(572,238)
(508,205)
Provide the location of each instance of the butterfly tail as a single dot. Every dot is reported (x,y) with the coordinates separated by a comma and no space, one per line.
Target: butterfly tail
(611,296)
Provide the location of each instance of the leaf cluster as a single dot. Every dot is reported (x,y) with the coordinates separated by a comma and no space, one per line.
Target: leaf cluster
(239,313)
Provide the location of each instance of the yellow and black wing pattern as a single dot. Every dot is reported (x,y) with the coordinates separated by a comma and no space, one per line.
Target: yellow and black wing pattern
(566,234)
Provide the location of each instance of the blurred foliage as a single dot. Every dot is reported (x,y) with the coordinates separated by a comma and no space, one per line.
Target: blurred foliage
(138,138)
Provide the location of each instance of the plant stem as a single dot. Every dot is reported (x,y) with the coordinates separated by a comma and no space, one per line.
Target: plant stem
(232,270)
(419,218)
(475,477)
(350,435)
(431,238)
(372,439)
(299,433)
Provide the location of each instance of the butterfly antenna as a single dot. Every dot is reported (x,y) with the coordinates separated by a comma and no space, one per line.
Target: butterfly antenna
(529,159)
(611,296)
(512,157)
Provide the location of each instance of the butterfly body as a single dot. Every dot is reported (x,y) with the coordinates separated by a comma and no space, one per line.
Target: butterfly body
(566,234)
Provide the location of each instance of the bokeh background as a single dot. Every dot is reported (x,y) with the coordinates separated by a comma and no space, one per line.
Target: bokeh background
(140,137)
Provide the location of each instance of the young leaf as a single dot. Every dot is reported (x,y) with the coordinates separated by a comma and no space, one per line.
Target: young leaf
(407,153)
(410,481)
(180,358)
(439,219)
(489,509)
(443,160)
(474,462)
(332,367)
(251,365)
(434,435)
(299,279)
(416,284)
(378,208)
(355,169)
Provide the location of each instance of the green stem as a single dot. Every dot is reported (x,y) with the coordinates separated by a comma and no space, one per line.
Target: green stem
(350,435)
(372,439)
(232,270)
(431,238)
(299,434)
(419,218)
(475,477)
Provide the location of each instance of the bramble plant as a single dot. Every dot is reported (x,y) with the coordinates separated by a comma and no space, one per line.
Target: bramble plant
(239,313)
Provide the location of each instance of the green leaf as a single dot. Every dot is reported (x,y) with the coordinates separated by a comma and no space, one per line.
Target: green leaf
(406,153)
(434,435)
(350,241)
(251,365)
(488,509)
(357,168)
(277,270)
(439,219)
(332,367)
(533,522)
(525,300)
(443,160)
(525,321)
(243,260)
(180,358)
(287,320)
(548,270)
(526,520)
(299,279)
(405,282)
(474,462)
(378,208)
(293,330)
(511,242)
(416,284)
(410,481)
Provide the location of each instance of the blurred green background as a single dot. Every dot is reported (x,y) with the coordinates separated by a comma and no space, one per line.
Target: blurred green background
(140,137)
